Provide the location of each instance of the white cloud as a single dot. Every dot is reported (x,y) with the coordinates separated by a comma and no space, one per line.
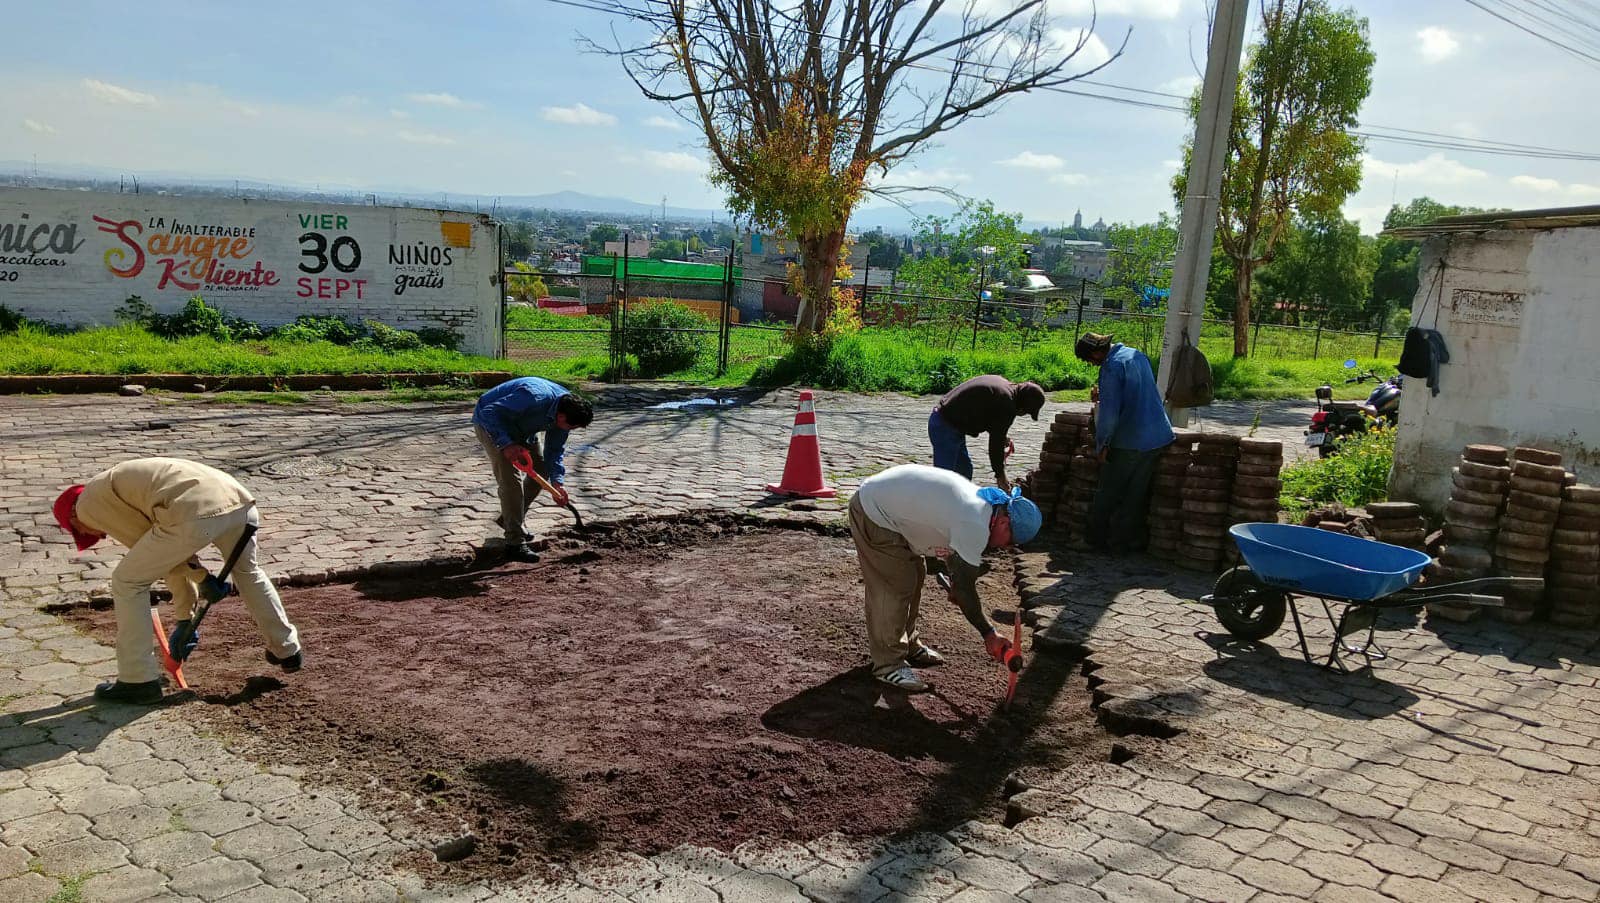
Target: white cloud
(675,161)
(578,114)
(399,114)
(1070,178)
(443,99)
(1437,44)
(1183,84)
(1133,9)
(662,122)
(941,177)
(423,137)
(117,94)
(1094,51)
(243,109)
(33,125)
(1173,165)
(1576,190)
(1535,183)
(1434,169)
(1031,160)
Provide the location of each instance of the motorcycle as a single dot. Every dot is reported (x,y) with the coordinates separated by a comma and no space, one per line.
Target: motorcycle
(1336,419)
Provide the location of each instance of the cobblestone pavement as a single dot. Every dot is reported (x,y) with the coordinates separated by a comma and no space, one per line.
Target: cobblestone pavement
(1464,768)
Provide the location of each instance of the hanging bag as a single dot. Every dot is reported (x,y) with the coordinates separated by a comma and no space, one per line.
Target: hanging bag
(1417,355)
(1191,385)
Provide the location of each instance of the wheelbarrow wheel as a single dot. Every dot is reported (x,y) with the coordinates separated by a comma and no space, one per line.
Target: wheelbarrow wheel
(1250,609)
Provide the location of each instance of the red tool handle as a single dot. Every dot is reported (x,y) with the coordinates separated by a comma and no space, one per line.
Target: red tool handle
(1014,660)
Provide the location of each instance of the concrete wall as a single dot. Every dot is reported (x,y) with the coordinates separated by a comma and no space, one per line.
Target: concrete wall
(1521,319)
(74,257)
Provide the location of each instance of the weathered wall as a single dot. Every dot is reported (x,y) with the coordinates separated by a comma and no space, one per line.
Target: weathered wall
(74,257)
(1521,318)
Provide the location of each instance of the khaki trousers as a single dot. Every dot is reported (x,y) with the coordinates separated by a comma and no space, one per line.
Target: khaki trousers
(517,490)
(163,550)
(893,576)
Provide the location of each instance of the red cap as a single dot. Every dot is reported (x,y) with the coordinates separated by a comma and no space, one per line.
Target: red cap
(63,510)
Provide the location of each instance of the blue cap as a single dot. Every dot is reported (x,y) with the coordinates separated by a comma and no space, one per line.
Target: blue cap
(1026,518)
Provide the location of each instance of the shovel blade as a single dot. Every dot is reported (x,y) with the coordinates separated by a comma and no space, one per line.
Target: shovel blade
(169,664)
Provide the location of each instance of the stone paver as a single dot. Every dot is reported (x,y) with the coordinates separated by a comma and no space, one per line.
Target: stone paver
(1465,767)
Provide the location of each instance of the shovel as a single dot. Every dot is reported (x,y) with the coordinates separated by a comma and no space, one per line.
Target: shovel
(212,589)
(545,484)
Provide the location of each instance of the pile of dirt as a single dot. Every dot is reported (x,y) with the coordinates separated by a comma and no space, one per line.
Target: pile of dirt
(669,682)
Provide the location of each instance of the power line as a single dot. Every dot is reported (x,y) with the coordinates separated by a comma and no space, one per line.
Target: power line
(1538,34)
(1411,137)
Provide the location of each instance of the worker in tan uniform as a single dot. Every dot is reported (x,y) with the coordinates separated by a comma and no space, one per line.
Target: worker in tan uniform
(165,510)
(907,513)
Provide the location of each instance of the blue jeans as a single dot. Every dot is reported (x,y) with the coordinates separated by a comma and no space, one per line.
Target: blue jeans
(949,446)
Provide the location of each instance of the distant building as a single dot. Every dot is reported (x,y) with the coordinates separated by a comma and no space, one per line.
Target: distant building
(1085,259)
(632,247)
(1077,220)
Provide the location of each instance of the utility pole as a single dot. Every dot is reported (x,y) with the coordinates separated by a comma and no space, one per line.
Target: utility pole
(1197,225)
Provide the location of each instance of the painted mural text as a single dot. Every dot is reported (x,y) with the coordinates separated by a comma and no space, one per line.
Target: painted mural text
(187,256)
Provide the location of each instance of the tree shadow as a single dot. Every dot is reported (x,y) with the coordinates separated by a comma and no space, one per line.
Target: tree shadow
(79,725)
(1540,646)
(539,797)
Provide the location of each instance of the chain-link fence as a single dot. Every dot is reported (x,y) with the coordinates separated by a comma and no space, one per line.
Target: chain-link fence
(645,319)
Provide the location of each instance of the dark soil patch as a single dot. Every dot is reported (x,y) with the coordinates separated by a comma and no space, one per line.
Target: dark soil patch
(666,682)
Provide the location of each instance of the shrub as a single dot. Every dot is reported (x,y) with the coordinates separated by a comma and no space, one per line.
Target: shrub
(1358,474)
(386,338)
(663,336)
(195,319)
(10,320)
(307,328)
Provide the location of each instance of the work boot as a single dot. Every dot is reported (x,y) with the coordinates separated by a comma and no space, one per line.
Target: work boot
(289,664)
(146,692)
(522,552)
(924,657)
(500,521)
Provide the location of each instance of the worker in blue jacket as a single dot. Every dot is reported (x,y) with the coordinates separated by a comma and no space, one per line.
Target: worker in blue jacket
(1131,429)
(508,420)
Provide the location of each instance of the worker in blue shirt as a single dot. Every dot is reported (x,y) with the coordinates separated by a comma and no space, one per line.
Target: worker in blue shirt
(508,420)
(1131,430)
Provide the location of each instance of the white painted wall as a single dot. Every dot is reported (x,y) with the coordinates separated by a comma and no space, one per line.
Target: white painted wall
(75,256)
(1521,319)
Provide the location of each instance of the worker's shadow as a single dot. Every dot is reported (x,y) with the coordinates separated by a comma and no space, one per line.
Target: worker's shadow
(541,797)
(855,710)
(75,726)
(465,582)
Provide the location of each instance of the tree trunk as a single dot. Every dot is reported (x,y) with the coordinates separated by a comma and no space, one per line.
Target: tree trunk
(1243,270)
(819,264)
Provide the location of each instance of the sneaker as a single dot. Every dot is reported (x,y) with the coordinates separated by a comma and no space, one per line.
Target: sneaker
(905,680)
(924,657)
(143,693)
(522,552)
(289,664)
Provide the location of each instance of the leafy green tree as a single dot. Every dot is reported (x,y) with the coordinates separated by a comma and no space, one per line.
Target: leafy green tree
(954,272)
(526,288)
(883,251)
(1140,257)
(800,102)
(1290,148)
(670,249)
(599,235)
(1323,269)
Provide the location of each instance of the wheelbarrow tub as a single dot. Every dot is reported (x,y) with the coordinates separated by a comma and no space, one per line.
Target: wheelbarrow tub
(1323,563)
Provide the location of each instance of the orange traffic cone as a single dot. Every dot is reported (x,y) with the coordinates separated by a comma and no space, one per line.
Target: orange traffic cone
(802,472)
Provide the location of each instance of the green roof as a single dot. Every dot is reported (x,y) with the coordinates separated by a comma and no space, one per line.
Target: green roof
(646,268)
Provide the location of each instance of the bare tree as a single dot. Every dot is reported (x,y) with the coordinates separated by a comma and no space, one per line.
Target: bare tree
(801,102)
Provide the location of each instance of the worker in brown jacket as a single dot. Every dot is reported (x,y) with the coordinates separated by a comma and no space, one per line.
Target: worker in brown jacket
(165,510)
(982,404)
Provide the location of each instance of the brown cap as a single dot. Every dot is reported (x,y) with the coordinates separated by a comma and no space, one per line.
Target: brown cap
(1030,398)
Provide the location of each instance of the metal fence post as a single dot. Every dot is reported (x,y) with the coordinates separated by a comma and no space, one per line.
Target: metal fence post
(622,365)
(1317,348)
(977,312)
(1377,337)
(1255,339)
(725,333)
(616,325)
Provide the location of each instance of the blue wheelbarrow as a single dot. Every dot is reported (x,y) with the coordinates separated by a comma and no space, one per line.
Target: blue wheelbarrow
(1353,578)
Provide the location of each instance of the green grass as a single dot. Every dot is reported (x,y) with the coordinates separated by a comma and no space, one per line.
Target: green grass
(920,358)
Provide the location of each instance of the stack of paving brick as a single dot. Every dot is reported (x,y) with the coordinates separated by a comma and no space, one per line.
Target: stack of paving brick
(1398,524)
(1078,496)
(1166,497)
(1044,484)
(1472,518)
(1207,491)
(1522,545)
(1256,488)
(1573,579)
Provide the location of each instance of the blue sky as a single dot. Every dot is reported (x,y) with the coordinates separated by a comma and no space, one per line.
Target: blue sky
(495,97)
